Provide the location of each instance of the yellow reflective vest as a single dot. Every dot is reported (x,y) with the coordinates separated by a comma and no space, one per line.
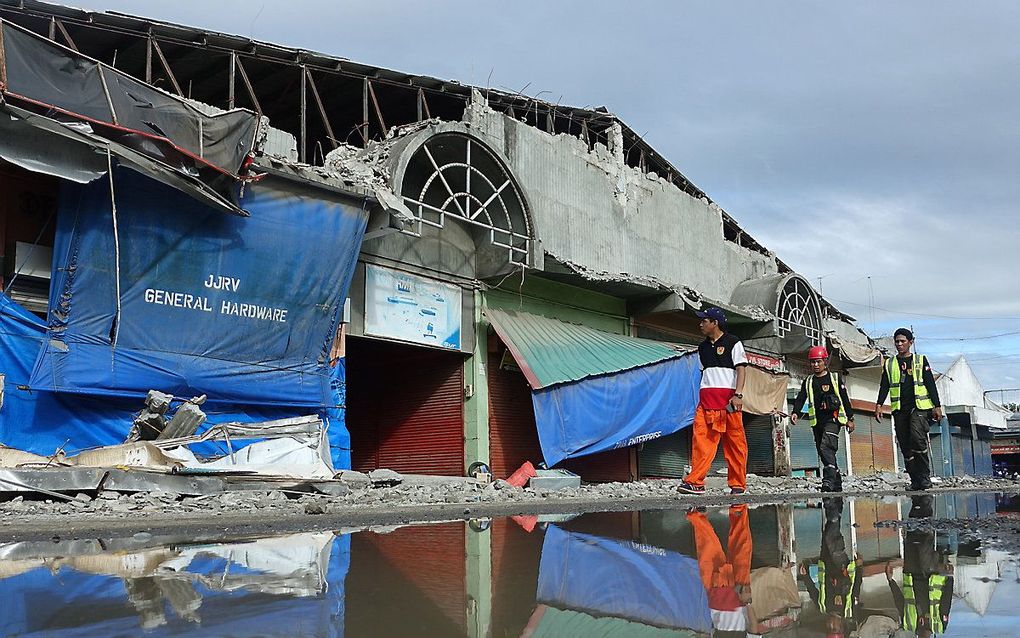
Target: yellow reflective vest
(812,416)
(921,398)
(936,582)
(848,602)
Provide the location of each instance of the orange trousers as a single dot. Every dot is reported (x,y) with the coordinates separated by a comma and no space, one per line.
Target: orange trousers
(716,569)
(709,427)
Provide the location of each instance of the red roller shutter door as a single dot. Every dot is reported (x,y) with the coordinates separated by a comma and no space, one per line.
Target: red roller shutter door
(405,408)
(604,467)
(513,437)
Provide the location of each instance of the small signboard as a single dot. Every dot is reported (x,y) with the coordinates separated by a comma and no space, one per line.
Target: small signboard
(407,307)
(1006,448)
(766,362)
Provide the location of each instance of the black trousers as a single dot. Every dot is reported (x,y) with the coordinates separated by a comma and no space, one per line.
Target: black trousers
(912,436)
(827,443)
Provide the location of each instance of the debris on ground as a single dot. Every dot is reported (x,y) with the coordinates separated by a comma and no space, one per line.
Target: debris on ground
(386,490)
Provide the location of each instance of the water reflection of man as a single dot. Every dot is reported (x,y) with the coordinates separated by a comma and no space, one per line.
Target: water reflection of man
(726,576)
(927,594)
(838,591)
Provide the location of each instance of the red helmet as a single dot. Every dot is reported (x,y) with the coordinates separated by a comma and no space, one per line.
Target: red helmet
(817,352)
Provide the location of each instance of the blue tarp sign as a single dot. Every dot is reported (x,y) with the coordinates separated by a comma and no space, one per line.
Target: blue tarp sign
(41,422)
(622,579)
(241,309)
(616,410)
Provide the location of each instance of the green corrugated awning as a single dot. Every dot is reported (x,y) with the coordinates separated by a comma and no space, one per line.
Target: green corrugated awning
(550,351)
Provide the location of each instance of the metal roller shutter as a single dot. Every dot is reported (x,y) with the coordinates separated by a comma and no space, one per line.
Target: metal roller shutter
(843,454)
(761,455)
(983,458)
(666,457)
(405,408)
(883,442)
(862,446)
(938,465)
(513,437)
(604,467)
(967,454)
(803,455)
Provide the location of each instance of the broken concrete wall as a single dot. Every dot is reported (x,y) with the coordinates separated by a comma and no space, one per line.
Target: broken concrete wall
(589,208)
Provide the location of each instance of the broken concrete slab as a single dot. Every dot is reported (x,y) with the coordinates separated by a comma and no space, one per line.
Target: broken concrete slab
(383,476)
(354,479)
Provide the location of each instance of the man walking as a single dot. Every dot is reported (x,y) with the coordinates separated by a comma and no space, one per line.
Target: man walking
(720,401)
(828,406)
(910,384)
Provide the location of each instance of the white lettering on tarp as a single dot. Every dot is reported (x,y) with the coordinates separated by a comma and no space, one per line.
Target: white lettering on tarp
(253,311)
(177,299)
(641,438)
(219,282)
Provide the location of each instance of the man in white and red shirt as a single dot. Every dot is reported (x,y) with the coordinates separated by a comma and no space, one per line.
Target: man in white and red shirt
(721,400)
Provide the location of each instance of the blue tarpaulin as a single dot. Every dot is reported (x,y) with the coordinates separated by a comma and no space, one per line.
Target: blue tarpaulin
(622,579)
(68,603)
(616,410)
(41,421)
(243,310)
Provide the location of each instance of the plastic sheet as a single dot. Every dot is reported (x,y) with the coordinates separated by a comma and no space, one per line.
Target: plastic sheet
(616,410)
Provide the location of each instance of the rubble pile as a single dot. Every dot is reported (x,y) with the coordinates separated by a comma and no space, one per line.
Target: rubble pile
(386,490)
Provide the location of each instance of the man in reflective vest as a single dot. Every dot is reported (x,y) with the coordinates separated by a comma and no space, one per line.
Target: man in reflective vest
(910,384)
(828,411)
(838,591)
(925,601)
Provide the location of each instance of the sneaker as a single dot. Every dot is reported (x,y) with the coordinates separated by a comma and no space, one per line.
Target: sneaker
(738,491)
(687,488)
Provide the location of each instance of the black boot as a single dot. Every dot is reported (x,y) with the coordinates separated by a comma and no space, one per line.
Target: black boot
(832,481)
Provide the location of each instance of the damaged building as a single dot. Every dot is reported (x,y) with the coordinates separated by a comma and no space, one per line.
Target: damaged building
(521,278)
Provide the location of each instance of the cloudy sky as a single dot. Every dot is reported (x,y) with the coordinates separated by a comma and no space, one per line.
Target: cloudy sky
(874,145)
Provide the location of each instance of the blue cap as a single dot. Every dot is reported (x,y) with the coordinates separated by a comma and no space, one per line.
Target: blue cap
(712,313)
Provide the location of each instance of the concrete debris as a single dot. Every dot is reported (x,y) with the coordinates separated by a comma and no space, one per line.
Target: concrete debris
(151,423)
(382,477)
(355,480)
(186,420)
(13,457)
(141,454)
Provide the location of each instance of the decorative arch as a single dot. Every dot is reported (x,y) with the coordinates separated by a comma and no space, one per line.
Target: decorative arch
(798,307)
(455,176)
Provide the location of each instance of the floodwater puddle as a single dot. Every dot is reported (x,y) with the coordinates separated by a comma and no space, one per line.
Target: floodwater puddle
(821,568)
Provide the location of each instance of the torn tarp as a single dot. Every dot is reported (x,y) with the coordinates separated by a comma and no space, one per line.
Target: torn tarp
(42,75)
(73,152)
